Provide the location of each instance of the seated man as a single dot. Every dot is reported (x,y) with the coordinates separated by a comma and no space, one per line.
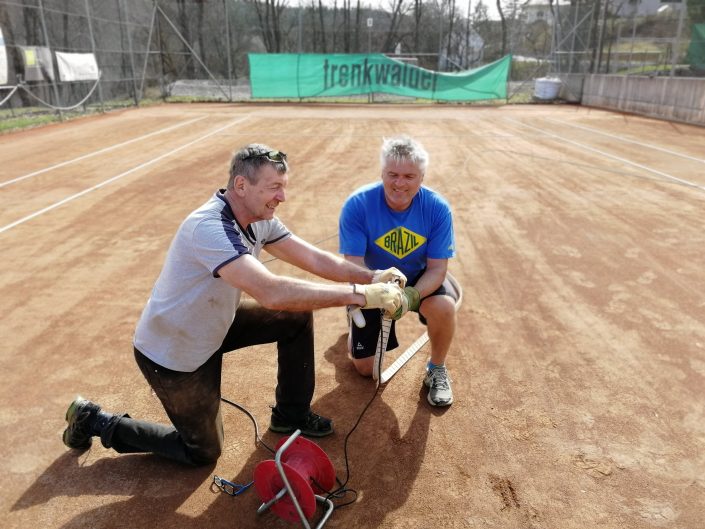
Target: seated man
(399,222)
(195,315)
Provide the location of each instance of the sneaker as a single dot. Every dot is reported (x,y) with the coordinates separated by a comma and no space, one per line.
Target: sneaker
(312,426)
(438,383)
(81,416)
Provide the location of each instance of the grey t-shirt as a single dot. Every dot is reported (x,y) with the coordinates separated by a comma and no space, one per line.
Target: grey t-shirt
(191,308)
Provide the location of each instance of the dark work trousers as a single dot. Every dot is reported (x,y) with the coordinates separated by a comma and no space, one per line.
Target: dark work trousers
(192,400)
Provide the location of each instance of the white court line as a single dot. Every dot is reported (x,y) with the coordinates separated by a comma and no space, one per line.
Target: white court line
(620,138)
(101,151)
(117,177)
(608,155)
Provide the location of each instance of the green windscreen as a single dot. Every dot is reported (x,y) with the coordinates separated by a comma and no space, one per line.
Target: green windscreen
(696,50)
(292,75)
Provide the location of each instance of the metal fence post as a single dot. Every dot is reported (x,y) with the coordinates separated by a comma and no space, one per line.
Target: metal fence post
(677,43)
(161,52)
(603,28)
(46,41)
(129,47)
(100,76)
(229,50)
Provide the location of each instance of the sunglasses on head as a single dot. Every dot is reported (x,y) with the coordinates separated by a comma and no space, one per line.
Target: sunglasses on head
(272,156)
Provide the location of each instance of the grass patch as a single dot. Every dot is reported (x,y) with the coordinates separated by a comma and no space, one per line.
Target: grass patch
(521,98)
(26,122)
(30,117)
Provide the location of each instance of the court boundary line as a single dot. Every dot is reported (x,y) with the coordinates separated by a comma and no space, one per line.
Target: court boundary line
(96,153)
(650,146)
(608,155)
(119,176)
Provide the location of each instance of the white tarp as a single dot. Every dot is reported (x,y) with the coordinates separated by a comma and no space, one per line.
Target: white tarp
(77,66)
(3,61)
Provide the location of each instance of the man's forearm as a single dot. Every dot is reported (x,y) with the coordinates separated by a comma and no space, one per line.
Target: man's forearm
(286,293)
(297,295)
(429,281)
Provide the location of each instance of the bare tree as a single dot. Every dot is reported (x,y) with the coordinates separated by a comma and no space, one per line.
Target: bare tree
(396,16)
(346,30)
(503,22)
(351,37)
(468,28)
(321,13)
(269,14)
(185,30)
(597,4)
(358,25)
(451,21)
(418,15)
(335,16)
(201,32)
(314,27)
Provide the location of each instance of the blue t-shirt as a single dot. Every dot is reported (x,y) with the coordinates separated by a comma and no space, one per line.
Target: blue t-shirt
(404,239)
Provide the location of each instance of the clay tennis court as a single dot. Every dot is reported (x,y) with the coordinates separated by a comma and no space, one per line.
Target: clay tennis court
(578,364)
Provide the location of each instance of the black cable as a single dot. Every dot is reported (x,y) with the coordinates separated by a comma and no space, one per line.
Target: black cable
(339,492)
(342,490)
(258,439)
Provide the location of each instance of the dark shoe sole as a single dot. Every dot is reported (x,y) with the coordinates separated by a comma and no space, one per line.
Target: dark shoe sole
(306,433)
(72,411)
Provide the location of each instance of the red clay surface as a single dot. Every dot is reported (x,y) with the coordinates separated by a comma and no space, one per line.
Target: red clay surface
(578,365)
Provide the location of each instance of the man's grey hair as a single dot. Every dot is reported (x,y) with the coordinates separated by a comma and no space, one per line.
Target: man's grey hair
(250,168)
(404,149)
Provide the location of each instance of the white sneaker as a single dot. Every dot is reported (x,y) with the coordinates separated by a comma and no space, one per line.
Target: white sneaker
(438,383)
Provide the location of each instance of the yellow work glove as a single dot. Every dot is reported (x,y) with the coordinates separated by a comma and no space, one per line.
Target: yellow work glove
(390,275)
(385,296)
(410,301)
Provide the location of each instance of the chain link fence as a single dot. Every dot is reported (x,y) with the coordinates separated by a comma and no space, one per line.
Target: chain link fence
(144,50)
(148,50)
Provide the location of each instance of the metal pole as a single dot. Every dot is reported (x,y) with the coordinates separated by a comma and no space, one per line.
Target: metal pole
(161,51)
(193,52)
(300,30)
(146,54)
(46,41)
(230,61)
(282,474)
(559,40)
(589,40)
(610,64)
(129,47)
(576,7)
(90,31)
(602,34)
(554,55)
(440,34)
(370,21)
(467,36)
(677,42)
(631,49)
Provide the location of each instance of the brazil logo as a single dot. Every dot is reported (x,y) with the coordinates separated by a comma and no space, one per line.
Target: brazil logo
(400,242)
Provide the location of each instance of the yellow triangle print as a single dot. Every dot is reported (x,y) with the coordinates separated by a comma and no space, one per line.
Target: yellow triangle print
(400,242)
